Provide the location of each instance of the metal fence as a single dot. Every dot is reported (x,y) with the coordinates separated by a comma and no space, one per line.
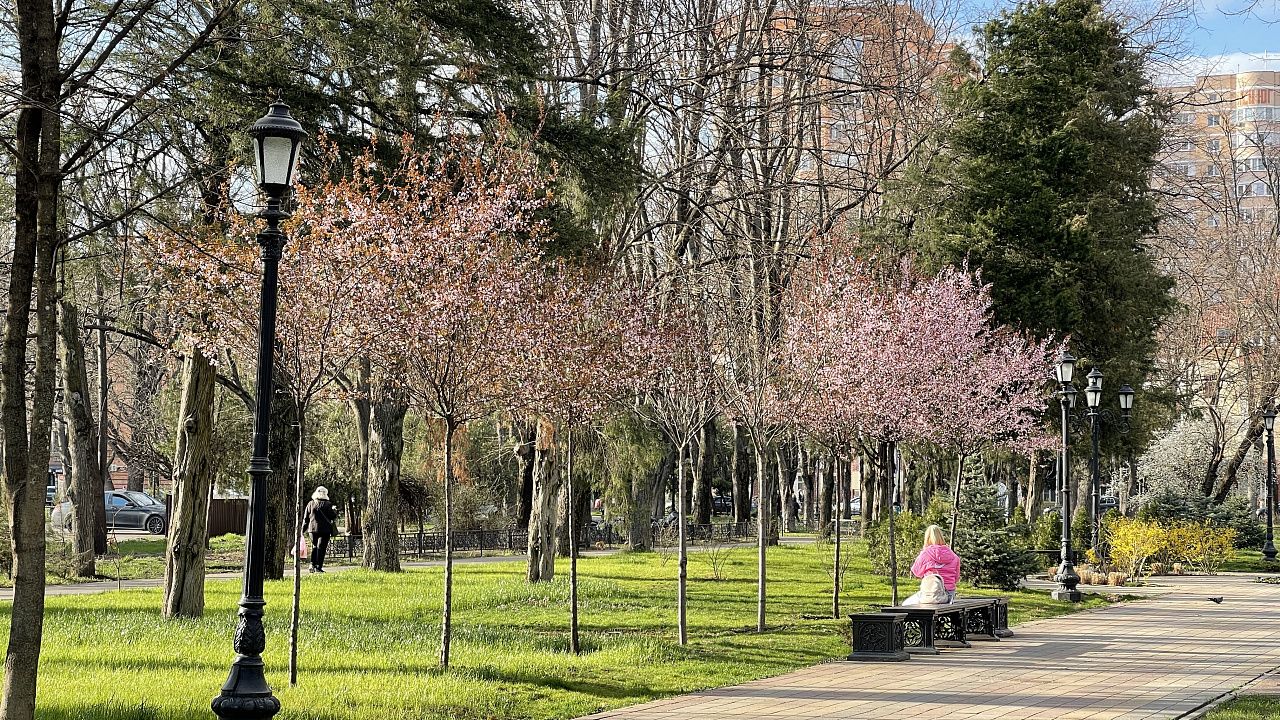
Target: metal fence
(516,540)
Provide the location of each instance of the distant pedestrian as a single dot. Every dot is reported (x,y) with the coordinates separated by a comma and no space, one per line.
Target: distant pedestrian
(320,520)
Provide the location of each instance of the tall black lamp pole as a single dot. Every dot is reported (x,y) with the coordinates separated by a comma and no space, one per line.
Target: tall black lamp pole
(1067,577)
(1269,547)
(1093,398)
(246,694)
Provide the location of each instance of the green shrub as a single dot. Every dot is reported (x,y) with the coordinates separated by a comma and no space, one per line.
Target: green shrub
(991,553)
(908,537)
(1237,515)
(1046,534)
(995,558)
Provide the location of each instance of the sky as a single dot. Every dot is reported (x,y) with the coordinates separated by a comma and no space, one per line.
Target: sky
(1220,36)
(1244,32)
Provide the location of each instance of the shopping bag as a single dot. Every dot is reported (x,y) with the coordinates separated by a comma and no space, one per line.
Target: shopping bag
(932,592)
(301,549)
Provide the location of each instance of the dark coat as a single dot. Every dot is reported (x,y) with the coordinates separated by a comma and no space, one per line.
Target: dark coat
(320,518)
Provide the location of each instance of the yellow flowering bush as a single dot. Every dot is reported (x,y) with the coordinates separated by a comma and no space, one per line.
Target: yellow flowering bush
(1132,543)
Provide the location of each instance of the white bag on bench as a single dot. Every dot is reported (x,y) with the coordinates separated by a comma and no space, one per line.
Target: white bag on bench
(931,592)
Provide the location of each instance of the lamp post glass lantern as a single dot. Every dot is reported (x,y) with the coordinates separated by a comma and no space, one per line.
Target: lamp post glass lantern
(246,695)
(1269,547)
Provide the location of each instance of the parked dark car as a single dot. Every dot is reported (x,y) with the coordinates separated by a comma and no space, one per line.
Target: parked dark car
(721,505)
(126,510)
(1108,501)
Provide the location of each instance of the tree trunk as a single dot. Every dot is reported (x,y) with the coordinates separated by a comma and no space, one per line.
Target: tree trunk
(381,522)
(363,410)
(104,385)
(1228,479)
(741,477)
(542,519)
(526,432)
(763,530)
(89,526)
(192,480)
(889,466)
(298,511)
(573,543)
(823,474)
(640,516)
(867,479)
(955,498)
(682,581)
(446,617)
(835,570)
(282,451)
(1031,501)
(703,464)
(37,143)
(786,501)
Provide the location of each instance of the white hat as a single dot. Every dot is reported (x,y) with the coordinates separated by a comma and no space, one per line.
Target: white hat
(321,493)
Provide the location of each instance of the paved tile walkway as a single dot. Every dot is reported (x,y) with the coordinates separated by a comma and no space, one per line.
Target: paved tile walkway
(1163,657)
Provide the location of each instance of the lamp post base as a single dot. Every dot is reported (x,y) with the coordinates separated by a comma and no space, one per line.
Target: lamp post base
(1066,595)
(1269,552)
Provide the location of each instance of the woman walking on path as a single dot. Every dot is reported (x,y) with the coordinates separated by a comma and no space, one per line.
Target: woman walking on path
(320,520)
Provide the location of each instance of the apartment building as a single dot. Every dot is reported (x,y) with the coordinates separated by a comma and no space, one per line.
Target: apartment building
(1224,153)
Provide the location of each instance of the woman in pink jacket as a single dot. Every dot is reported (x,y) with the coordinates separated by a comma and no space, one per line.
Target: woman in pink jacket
(936,558)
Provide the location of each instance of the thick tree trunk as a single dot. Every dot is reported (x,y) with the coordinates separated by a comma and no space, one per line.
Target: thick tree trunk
(786,501)
(868,480)
(740,470)
(89,525)
(526,432)
(446,613)
(543,518)
(1031,501)
(824,470)
(640,513)
(362,408)
(381,521)
(283,452)
(1228,480)
(37,141)
(703,464)
(192,480)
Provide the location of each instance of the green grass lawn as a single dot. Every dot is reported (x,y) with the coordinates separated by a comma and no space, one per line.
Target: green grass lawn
(1250,561)
(369,641)
(134,559)
(1249,707)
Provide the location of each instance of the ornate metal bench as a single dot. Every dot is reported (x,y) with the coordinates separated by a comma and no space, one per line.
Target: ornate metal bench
(929,627)
(879,637)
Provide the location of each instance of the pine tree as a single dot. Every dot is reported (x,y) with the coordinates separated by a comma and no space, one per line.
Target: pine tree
(1046,173)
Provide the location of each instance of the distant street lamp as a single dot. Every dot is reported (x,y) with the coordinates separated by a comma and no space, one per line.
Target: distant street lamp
(1093,398)
(1269,547)
(246,694)
(1067,577)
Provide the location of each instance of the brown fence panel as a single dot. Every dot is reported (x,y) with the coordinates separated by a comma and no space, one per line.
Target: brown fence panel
(227,517)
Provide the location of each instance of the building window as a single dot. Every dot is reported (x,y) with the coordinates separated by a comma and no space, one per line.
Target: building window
(1214,145)
(1213,170)
(1185,146)
(1185,118)
(1211,221)
(1260,189)
(1244,190)
(1215,120)
(1214,97)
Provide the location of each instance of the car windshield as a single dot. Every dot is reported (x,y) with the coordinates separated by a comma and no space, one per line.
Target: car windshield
(140,498)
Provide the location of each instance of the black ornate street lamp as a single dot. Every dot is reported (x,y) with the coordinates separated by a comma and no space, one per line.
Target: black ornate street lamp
(1093,398)
(1269,547)
(1067,577)
(246,694)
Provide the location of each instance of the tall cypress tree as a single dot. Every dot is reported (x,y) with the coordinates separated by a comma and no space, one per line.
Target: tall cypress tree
(1044,181)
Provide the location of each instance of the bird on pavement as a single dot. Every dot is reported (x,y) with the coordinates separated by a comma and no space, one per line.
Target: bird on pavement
(1217,600)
